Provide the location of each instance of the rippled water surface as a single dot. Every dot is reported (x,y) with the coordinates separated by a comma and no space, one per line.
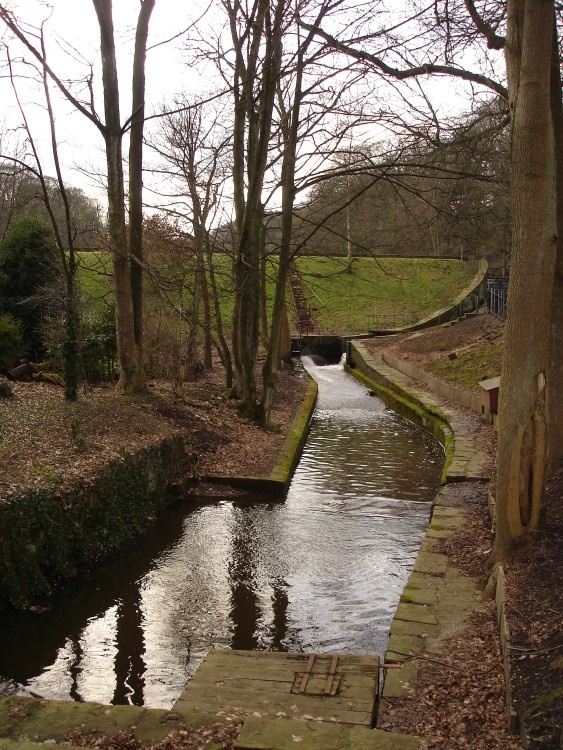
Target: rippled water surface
(321,571)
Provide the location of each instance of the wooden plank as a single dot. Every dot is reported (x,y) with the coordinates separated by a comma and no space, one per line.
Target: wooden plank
(258,665)
(212,674)
(349,689)
(307,703)
(220,709)
(346,660)
(336,688)
(306,673)
(330,678)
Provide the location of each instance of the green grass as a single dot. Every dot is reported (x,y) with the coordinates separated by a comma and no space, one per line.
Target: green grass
(343,302)
(95,276)
(471,366)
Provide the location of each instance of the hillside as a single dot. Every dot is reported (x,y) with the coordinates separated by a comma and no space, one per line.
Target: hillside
(348,303)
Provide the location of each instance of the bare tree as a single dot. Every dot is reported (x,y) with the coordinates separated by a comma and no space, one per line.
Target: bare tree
(124,246)
(194,145)
(289,114)
(63,230)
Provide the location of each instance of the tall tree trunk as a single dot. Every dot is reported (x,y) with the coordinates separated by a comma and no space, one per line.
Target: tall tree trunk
(261,41)
(131,375)
(71,326)
(207,342)
(555,367)
(246,326)
(264,337)
(272,362)
(222,347)
(136,180)
(522,442)
(193,318)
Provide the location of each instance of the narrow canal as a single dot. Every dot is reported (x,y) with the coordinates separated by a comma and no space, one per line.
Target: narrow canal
(321,571)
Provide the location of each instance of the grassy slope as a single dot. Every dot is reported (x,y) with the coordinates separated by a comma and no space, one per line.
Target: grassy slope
(342,302)
(470,367)
(95,275)
(477,342)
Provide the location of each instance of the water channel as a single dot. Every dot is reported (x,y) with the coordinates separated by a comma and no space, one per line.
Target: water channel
(320,571)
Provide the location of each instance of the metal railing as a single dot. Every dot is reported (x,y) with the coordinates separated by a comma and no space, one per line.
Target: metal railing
(391,321)
(497,302)
(497,295)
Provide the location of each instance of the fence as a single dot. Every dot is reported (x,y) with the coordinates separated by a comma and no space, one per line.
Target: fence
(497,295)
(390,322)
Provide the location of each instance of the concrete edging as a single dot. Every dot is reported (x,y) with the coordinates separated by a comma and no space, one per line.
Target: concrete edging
(435,593)
(280,477)
(449,392)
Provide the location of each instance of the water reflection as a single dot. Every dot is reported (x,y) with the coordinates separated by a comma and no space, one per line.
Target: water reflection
(321,571)
(245,605)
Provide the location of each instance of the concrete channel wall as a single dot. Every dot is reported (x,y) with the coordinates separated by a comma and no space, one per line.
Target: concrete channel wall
(279,480)
(437,600)
(455,395)
(48,535)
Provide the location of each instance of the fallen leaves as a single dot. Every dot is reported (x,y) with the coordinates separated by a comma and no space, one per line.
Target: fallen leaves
(459,699)
(185,737)
(47,441)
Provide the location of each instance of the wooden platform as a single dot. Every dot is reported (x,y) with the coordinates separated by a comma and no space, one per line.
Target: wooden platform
(269,684)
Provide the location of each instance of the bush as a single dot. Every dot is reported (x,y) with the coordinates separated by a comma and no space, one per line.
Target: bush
(29,273)
(99,345)
(11,342)
(6,390)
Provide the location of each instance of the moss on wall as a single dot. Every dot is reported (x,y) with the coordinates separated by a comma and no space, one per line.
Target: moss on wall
(296,438)
(47,535)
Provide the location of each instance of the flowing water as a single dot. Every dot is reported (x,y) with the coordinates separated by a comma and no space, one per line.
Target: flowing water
(321,571)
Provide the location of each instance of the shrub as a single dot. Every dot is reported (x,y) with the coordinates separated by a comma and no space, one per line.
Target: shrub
(6,390)
(99,345)
(11,342)
(29,273)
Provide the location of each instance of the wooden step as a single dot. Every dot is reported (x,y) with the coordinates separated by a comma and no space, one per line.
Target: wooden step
(269,684)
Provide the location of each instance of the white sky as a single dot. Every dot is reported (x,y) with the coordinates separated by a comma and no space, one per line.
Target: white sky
(75,22)
(167,72)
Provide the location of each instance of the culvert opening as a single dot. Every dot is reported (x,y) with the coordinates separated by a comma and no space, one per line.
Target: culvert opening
(322,350)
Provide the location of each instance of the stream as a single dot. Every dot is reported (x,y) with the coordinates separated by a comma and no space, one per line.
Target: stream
(320,571)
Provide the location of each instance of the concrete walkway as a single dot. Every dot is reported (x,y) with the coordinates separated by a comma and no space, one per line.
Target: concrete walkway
(439,600)
(436,604)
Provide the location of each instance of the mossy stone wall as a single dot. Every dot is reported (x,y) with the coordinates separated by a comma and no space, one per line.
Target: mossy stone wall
(47,535)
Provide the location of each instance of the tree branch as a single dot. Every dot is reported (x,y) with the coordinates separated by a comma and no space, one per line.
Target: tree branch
(11,23)
(413,72)
(494,41)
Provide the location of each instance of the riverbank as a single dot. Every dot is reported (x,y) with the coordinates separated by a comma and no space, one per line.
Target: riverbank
(81,480)
(46,441)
